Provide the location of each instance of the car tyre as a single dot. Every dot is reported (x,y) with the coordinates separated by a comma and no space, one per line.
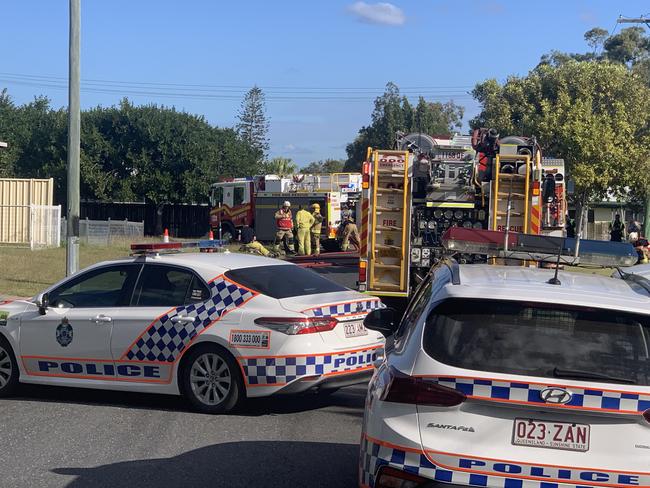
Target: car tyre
(8,369)
(210,380)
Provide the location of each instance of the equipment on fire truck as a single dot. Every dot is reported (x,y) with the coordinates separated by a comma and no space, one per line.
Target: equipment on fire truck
(514,169)
(387,259)
(554,207)
(480,182)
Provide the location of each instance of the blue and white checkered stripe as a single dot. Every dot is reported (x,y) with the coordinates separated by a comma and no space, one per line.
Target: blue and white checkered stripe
(164,340)
(374,455)
(278,370)
(591,399)
(361,307)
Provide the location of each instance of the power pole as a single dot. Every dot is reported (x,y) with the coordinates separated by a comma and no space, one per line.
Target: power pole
(74,139)
(637,20)
(646,219)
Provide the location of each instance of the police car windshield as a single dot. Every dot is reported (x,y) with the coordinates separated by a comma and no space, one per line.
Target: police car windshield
(283,281)
(539,340)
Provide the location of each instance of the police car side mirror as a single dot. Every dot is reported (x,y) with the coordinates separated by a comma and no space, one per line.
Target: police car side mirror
(42,302)
(382,320)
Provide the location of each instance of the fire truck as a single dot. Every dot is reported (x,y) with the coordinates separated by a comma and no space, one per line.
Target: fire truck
(254,200)
(412,194)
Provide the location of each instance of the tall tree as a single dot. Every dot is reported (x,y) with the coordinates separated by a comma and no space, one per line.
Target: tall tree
(629,46)
(8,128)
(324,166)
(393,113)
(595,38)
(594,115)
(128,153)
(253,125)
(280,166)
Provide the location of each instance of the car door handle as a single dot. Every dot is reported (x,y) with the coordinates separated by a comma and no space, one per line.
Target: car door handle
(183,319)
(101,318)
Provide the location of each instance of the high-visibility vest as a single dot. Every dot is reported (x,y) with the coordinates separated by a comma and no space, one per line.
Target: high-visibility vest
(284,220)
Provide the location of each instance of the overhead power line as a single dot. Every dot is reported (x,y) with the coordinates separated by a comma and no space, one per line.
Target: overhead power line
(240,87)
(234,92)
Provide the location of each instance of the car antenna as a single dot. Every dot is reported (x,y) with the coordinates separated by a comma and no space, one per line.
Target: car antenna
(555,280)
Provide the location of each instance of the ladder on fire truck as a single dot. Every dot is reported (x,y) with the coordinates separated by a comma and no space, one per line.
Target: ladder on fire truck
(511,184)
(389,224)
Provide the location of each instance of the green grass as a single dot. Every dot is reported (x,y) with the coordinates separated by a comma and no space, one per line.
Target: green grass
(24,272)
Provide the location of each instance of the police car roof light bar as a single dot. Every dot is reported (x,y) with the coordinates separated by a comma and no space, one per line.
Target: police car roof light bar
(157,247)
(539,248)
(162,246)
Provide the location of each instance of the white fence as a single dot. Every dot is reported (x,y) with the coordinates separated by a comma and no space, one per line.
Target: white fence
(104,232)
(36,226)
(598,231)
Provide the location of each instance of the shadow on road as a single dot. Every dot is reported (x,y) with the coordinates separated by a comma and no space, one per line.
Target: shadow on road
(233,464)
(346,398)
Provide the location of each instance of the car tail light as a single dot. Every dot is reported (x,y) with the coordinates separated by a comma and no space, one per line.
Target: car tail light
(363,268)
(535,188)
(365,176)
(395,478)
(297,325)
(409,389)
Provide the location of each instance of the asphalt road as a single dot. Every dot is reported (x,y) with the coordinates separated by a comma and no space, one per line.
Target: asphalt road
(64,437)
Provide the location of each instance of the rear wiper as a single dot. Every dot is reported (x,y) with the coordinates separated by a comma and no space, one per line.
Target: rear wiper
(589,375)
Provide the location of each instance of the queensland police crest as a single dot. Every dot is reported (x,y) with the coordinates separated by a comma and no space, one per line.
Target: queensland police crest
(64,333)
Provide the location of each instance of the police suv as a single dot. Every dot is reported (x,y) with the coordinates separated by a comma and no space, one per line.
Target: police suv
(214,327)
(507,376)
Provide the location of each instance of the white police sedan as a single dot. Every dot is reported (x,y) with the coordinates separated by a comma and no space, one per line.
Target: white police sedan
(512,377)
(213,327)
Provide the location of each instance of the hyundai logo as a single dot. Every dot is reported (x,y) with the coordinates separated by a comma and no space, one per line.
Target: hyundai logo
(558,396)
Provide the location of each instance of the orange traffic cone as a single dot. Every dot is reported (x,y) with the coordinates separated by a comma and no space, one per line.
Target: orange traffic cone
(166,236)
(211,235)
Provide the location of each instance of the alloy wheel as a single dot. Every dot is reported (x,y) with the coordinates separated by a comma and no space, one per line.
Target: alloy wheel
(210,379)
(5,367)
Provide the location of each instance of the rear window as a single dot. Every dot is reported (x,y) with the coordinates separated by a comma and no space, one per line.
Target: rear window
(538,340)
(283,281)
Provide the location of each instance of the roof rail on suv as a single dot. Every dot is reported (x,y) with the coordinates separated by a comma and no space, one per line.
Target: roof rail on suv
(642,281)
(453,267)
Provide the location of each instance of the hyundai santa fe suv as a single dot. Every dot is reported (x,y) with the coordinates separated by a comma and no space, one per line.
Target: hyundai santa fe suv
(501,376)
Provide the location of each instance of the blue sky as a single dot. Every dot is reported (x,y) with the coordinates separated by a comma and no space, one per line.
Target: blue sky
(320,62)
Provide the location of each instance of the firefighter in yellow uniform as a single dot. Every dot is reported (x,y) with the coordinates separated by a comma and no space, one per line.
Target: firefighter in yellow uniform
(304,221)
(350,231)
(316,228)
(250,242)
